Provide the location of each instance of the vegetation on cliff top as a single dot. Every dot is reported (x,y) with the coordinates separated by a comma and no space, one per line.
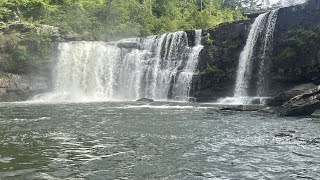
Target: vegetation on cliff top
(104,20)
(113,19)
(23,47)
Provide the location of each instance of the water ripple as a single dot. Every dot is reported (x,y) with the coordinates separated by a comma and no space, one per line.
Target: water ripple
(161,141)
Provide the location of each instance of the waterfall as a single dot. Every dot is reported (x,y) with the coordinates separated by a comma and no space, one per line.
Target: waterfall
(267,44)
(261,31)
(182,87)
(158,67)
(244,71)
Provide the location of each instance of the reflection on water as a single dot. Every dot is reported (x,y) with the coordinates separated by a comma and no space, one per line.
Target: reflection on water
(155,141)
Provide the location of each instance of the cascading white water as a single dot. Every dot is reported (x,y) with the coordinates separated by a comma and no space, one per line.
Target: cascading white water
(78,77)
(264,23)
(267,43)
(182,86)
(159,67)
(245,61)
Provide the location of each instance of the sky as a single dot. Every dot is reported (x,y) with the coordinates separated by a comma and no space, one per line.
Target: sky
(285,2)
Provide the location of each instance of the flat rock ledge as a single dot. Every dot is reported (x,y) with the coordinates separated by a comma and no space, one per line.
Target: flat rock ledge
(301,105)
(243,108)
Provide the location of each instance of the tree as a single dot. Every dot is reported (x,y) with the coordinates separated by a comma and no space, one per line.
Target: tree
(112,19)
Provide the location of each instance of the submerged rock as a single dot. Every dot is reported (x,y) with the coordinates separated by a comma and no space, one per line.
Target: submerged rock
(145,100)
(287,95)
(243,108)
(192,99)
(283,134)
(270,110)
(301,105)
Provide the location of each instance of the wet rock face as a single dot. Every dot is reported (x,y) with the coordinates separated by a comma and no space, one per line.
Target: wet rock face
(218,60)
(294,59)
(128,44)
(20,88)
(296,51)
(21,27)
(301,105)
(27,54)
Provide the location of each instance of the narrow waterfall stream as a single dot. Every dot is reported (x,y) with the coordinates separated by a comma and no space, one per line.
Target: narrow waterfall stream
(158,67)
(267,46)
(262,30)
(244,71)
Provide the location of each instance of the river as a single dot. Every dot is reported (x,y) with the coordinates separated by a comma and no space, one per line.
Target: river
(162,140)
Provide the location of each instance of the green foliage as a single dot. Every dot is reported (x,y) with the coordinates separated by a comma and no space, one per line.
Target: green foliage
(286,57)
(114,19)
(25,49)
(208,39)
(19,53)
(3,74)
(219,75)
(209,70)
(300,57)
(38,47)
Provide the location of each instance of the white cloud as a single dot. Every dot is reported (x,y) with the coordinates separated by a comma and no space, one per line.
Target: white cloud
(287,2)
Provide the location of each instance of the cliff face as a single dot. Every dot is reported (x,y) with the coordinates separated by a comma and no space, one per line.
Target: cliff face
(14,87)
(294,58)
(218,60)
(296,50)
(27,55)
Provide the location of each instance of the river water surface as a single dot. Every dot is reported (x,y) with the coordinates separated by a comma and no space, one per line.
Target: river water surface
(156,141)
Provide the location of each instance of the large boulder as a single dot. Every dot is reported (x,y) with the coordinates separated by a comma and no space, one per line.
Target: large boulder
(301,105)
(285,96)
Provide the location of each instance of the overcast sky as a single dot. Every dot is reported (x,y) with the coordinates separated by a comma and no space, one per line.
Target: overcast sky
(285,2)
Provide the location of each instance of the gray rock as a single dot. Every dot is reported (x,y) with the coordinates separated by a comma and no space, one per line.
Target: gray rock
(128,44)
(21,27)
(283,134)
(243,108)
(301,105)
(287,95)
(15,87)
(270,110)
(192,99)
(72,37)
(316,114)
(145,100)
(315,4)
(55,37)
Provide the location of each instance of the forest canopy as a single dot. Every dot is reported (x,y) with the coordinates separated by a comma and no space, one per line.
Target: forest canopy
(113,19)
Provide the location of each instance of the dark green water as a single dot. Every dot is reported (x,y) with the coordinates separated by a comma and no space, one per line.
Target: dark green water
(157,141)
